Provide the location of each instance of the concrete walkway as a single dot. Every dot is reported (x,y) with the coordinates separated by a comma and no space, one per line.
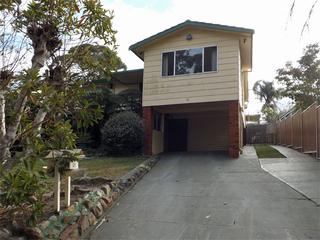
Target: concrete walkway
(208,196)
(298,170)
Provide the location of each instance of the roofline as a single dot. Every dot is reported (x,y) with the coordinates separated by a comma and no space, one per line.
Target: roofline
(131,70)
(109,80)
(190,24)
(114,77)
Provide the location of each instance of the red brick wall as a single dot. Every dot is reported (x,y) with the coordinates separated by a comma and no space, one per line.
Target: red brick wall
(148,122)
(233,129)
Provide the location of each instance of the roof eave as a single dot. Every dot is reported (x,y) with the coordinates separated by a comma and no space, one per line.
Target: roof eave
(190,24)
(136,53)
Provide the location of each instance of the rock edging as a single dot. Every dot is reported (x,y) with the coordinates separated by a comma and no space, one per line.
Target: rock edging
(73,222)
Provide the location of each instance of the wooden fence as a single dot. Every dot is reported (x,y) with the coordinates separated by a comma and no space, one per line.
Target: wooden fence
(300,131)
(256,133)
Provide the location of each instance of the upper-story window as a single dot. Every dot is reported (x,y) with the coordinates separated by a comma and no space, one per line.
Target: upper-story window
(195,60)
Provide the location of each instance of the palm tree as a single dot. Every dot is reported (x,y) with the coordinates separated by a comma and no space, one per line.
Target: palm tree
(267,93)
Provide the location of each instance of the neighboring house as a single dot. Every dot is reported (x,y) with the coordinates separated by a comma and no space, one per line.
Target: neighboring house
(124,80)
(195,87)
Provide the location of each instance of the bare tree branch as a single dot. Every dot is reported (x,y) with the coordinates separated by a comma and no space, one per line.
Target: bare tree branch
(306,23)
(292,7)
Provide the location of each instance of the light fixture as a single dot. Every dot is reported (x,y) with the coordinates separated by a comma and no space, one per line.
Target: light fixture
(189,37)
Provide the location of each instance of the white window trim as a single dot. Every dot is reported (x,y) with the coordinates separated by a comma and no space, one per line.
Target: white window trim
(174,63)
(202,60)
(184,49)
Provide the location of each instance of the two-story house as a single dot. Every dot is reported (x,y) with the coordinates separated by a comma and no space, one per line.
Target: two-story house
(195,87)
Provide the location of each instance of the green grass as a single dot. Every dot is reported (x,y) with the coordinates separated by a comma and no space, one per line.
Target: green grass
(266,151)
(110,167)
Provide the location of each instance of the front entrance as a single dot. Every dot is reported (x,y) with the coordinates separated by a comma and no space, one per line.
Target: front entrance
(177,135)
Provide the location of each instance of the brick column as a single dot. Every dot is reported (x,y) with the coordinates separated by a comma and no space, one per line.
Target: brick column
(233,129)
(148,123)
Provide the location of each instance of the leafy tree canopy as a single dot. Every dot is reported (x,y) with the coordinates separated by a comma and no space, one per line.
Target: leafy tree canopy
(302,82)
(95,62)
(266,92)
(41,44)
(42,41)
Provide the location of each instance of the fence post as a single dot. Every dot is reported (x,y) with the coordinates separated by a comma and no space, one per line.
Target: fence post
(291,131)
(302,149)
(318,130)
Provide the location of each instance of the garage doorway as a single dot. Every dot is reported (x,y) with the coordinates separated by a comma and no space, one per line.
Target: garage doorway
(177,135)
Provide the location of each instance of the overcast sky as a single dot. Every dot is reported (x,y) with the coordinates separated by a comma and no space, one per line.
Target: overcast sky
(277,38)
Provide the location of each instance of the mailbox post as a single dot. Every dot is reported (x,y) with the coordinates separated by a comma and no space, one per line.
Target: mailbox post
(74,165)
(57,188)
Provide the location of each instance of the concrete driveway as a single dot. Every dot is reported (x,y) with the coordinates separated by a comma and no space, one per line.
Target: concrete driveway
(208,196)
(298,170)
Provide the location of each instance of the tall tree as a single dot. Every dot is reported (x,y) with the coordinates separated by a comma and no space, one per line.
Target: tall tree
(94,62)
(268,94)
(302,82)
(37,85)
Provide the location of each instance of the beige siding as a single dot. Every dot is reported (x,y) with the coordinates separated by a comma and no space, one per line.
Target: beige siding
(158,138)
(245,87)
(244,90)
(157,142)
(240,79)
(194,88)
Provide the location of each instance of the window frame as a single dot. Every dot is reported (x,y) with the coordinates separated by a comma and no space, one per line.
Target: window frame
(184,49)
(174,63)
(157,121)
(217,58)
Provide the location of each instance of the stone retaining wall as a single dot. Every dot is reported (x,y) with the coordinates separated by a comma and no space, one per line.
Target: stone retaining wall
(73,222)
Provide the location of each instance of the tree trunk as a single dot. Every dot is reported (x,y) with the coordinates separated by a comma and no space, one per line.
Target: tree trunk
(37,122)
(8,134)
(5,156)
(4,150)
(2,114)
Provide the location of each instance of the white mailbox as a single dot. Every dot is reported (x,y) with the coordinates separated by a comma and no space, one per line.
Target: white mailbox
(74,165)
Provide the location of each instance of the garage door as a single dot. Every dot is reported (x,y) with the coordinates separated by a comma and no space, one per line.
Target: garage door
(208,133)
(198,132)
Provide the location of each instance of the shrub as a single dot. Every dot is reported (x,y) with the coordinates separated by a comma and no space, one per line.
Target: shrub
(123,133)
(22,188)
(131,100)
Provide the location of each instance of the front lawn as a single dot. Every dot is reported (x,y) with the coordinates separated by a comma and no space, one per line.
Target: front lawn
(266,151)
(109,167)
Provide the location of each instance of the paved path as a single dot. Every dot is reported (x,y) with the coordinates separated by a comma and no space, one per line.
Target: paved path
(298,170)
(207,196)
